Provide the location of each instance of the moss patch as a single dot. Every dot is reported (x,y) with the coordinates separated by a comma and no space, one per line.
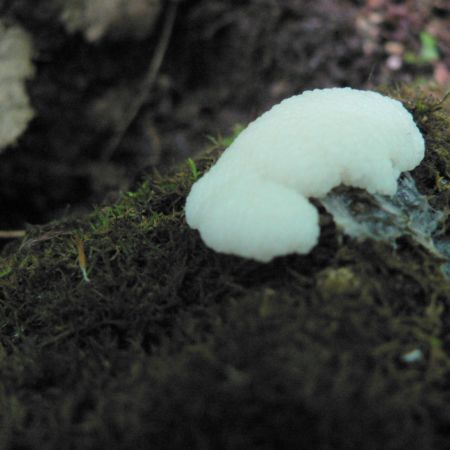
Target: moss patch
(171,345)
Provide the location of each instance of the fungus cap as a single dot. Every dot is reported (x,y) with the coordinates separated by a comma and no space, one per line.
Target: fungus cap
(254,201)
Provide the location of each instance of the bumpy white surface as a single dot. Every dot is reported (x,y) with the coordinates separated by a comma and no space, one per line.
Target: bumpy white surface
(254,201)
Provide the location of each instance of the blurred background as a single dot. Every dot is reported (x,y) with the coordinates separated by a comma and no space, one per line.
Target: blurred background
(96,94)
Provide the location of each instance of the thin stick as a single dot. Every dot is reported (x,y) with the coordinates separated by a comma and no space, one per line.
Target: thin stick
(82,259)
(149,79)
(12,234)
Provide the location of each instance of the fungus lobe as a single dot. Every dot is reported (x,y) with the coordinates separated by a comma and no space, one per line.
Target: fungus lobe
(254,201)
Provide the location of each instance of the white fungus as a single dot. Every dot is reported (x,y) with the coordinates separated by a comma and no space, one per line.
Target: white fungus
(254,201)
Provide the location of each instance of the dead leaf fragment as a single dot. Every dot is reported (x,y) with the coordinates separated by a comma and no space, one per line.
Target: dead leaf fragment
(113,19)
(15,68)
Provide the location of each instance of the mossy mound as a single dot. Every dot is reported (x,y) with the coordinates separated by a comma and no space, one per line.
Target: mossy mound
(171,345)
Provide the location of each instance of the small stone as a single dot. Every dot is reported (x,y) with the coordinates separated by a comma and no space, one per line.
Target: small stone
(412,356)
(394,62)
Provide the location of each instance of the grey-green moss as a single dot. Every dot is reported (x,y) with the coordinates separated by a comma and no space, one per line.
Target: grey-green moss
(171,345)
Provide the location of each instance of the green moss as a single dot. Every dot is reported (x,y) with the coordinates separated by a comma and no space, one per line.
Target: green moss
(171,345)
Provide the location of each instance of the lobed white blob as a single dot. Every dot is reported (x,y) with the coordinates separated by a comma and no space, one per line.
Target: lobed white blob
(254,201)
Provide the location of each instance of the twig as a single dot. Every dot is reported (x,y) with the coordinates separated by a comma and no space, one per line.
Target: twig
(149,79)
(82,258)
(12,234)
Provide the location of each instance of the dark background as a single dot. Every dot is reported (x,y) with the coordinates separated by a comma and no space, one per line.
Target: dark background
(225,63)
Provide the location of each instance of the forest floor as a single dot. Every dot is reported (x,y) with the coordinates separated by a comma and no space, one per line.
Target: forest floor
(123,330)
(120,329)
